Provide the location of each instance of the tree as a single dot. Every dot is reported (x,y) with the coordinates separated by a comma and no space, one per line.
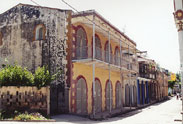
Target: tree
(178,77)
(171,84)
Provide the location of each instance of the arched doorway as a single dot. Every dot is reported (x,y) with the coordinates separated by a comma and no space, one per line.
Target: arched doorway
(98,97)
(109,100)
(131,95)
(81,97)
(134,95)
(127,95)
(118,95)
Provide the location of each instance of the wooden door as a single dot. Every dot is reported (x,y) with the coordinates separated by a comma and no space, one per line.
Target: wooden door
(118,95)
(109,96)
(81,97)
(98,97)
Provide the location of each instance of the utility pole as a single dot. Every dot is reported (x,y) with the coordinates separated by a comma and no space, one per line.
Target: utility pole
(129,67)
(178,16)
(110,62)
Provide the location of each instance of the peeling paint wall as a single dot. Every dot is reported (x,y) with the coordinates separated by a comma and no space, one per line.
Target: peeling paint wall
(18,25)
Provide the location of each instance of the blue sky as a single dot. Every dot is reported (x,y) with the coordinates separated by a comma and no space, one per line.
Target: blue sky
(149,23)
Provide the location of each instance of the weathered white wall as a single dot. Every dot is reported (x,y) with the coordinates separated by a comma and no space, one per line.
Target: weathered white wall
(17,26)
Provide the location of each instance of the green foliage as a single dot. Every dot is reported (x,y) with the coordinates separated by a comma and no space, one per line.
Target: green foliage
(7,114)
(26,116)
(178,77)
(15,76)
(42,77)
(171,84)
(177,81)
(10,115)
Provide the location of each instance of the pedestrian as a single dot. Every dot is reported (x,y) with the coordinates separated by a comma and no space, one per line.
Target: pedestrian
(177,95)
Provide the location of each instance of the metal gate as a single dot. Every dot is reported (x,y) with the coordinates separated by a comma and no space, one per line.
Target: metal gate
(118,95)
(81,97)
(109,95)
(98,97)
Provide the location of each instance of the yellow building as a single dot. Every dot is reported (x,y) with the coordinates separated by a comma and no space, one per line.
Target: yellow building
(173,76)
(112,67)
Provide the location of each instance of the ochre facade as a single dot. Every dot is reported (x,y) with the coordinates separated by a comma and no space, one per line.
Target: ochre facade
(83,67)
(102,75)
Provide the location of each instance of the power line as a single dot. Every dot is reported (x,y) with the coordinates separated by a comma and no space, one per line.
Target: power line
(70,6)
(35,2)
(94,22)
(84,17)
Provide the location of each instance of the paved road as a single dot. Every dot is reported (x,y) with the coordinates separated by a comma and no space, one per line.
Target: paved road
(160,113)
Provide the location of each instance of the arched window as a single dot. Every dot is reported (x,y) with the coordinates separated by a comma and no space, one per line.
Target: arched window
(81,44)
(98,47)
(107,52)
(117,57)
(40,32)
(1,39)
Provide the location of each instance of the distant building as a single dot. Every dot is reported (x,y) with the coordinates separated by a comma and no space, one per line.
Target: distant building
(146,81)
(162,78)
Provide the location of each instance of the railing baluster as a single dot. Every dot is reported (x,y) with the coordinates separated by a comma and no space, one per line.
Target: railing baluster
(103,55)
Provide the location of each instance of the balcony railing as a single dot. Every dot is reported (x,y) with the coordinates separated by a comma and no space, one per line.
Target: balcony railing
(86,53)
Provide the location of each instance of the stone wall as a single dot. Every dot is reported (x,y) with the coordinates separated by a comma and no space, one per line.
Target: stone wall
(17,27)
(25,98)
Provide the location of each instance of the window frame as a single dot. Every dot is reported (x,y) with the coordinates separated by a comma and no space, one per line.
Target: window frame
(37,32)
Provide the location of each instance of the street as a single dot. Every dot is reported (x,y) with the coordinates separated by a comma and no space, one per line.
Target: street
(159,113)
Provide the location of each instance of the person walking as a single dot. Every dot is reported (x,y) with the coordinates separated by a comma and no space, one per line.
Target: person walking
(177,95)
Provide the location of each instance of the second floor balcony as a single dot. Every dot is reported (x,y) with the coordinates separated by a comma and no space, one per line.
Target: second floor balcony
(146,71)
(103,58)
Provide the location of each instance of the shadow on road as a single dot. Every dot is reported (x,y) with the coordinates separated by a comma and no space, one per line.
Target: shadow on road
(83,120)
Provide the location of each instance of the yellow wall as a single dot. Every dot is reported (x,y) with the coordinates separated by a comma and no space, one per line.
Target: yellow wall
(103,38)
(102,75)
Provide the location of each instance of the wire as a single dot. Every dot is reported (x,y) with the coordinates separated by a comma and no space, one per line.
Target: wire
(87,19)
(95,23)
(35,2)
(70,6)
